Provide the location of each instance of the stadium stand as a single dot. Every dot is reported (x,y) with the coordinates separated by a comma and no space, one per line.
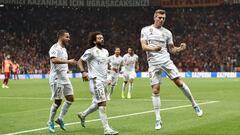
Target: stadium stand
(211,33)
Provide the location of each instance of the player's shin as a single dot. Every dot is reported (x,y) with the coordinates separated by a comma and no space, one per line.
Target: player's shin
(53,111)
(4,81)
(124,86)
(130,87)
(186,91)
(123,89)
(111,89)
(64,109)
(156,105)
(103,117)
(7,81)
(92,108)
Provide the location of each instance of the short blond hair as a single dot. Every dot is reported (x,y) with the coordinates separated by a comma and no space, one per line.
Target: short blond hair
(159,11)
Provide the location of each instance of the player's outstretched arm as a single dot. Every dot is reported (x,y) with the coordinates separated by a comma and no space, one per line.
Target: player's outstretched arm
(145,47)
(173,49)
(62,61)
(80,64)
(137,66)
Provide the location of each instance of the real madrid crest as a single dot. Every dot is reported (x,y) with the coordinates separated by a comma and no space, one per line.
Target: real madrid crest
(151,30)
(163,35)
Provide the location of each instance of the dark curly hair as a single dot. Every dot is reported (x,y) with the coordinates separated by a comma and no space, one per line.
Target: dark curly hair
(92,37)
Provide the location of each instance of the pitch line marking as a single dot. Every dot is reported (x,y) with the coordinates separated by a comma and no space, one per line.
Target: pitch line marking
(87,99)
(113,117)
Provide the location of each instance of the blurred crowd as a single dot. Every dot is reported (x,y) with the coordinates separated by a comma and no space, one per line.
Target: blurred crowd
(212,34)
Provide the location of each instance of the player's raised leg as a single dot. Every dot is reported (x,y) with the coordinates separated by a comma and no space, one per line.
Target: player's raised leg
(82,115)
(66,105)
(186,91)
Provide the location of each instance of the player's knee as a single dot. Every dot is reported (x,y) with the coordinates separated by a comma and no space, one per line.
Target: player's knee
(70,98)
(104,103)
(178,81)
(57,103)
(131,81)
(156,89)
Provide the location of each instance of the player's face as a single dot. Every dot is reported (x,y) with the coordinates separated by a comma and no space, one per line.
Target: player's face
(65,39)
(8,57)
(130,51)
(117,51)
(99,40)
(159,19)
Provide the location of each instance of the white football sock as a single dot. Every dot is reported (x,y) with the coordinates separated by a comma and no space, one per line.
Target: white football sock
(186,91)
(156,105)
(64,109)
(123,87)
(53,111)
(130,87)
(111,89)
(103,116)
(92,108)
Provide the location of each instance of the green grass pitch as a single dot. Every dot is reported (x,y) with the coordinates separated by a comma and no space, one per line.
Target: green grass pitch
(24,107)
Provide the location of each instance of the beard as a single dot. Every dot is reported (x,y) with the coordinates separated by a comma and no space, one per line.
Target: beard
(100,45)
(65,43)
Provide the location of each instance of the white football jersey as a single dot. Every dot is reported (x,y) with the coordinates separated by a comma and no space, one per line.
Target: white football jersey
(157,37)
(115,62)
(58,71)
(129,62)
(97,62)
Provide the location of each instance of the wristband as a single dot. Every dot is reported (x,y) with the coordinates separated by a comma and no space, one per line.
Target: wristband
(82,71)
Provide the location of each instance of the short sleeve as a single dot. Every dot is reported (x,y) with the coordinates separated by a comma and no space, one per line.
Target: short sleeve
(136,58)
(53,52)
(143,35)
(170,38)
(87,55)
(124,58)
(122,61)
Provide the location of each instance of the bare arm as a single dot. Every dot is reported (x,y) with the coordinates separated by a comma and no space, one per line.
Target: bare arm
(2,67)
(137,66)
(173,49)
(145,47)
(62,61)
(80,64)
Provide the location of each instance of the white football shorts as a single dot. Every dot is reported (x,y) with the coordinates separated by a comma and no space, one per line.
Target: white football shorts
(155,72)
(129,75)
(59,91)
(98,89)
(113,77)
